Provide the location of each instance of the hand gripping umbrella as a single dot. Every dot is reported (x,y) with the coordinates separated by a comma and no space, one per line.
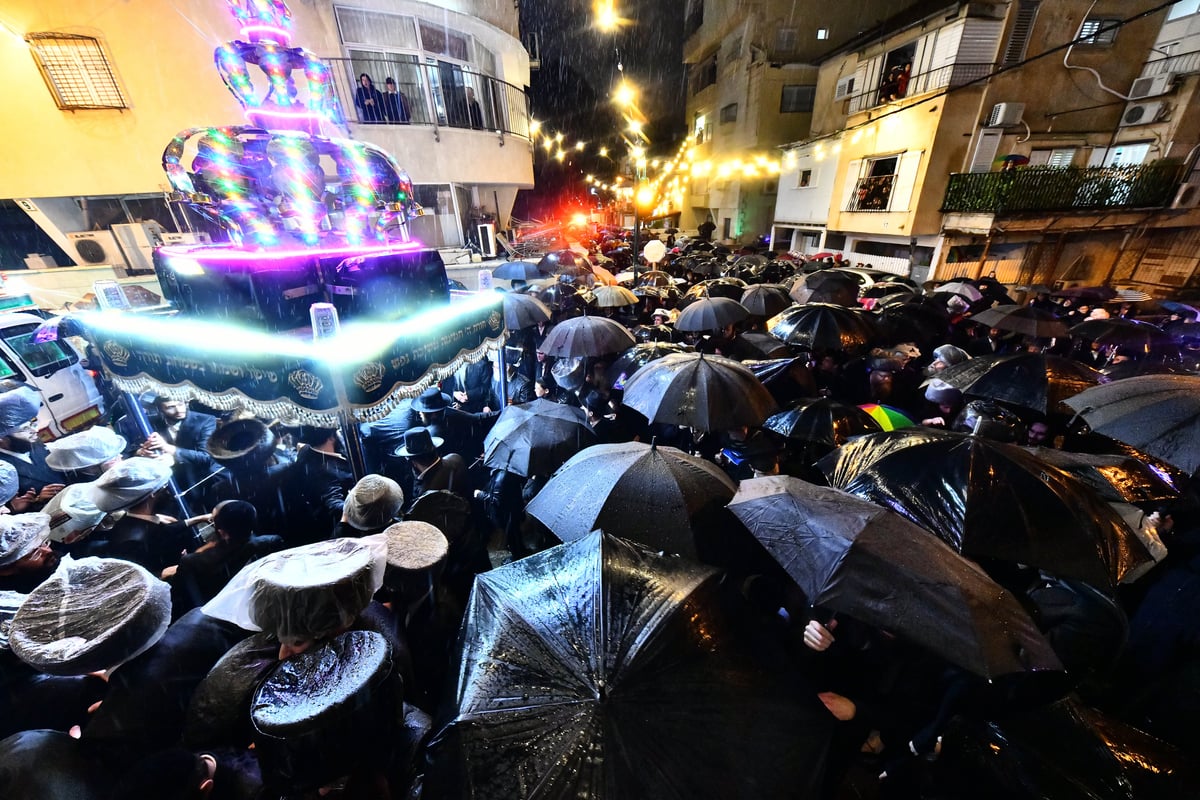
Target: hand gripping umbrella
(536,438)
(707,393)
(852,556)
(1159,414)
(987,499)
(597,670)
(640,491)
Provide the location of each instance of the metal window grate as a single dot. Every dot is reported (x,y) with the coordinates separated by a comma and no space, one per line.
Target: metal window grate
(77,70)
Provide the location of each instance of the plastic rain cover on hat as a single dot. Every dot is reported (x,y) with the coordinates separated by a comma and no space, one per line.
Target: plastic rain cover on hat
(18,407)
(10,482)
(9,603)
(129,482)
(90,615)
(21,534)
(306,592)
(73,513)
(85,449)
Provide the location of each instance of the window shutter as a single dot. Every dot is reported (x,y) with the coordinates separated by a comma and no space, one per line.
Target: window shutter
(906,181)
(853,171)
(1018,40)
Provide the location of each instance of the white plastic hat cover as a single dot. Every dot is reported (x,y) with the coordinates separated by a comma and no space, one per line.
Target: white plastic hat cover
(85,449)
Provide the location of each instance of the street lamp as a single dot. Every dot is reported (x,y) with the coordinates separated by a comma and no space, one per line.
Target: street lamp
(643,199)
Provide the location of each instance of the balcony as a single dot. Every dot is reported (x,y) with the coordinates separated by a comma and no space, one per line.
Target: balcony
(1048,189)
(433,94)
(889,91)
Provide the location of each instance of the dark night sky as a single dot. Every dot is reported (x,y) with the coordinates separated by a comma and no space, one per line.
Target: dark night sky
(572,91)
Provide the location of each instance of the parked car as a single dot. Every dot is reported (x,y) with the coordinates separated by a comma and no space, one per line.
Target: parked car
(71,401)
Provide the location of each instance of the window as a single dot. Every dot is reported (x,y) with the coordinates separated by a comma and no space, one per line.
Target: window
(1058,157)
(76,70)
(797,99)
(822,33)
(806,179)
(1183,8)
(42,359)
(1018,39)
(729,113)
(444,42)
(1098,31)
(700,128)
(375,28)
(704,74)
(786,40)
(874,189)
(897,69)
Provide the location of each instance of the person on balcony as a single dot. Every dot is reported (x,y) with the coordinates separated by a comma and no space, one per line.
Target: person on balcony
(395,104)
(368,100)
(474,113)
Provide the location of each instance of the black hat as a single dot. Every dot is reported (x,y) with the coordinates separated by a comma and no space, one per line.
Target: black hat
(419,442)
(431,401)
(240,439)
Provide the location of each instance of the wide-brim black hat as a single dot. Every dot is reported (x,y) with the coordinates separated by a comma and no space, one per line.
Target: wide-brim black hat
(431,401)
(240,439)
(419,442)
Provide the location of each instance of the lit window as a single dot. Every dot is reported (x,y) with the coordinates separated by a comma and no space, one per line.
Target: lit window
(822,33)
(1098,31)
(806,179)
(76,70)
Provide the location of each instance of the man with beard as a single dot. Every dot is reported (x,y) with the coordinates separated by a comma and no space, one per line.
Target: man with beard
(20,447)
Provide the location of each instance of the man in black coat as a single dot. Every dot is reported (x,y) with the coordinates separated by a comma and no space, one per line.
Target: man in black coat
(182,434)
(470,386)
(314,487)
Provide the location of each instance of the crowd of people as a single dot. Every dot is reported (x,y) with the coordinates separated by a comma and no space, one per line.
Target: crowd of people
(270,549)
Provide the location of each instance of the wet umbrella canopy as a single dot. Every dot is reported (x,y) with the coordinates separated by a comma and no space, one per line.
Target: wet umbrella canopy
(822,421)
(646,493)
(711,314)
(518,271)
(536,438)
(824,326)
(987,499)
(639,356)
(1115,477)
(523,310)
(765,301)
(1159,414)
(614,297)
(587,336)
(597,670)
(852,556)
(1025,320)
(707,393)
(1026,380)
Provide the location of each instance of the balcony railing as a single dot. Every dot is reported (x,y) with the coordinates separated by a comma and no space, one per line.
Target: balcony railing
(1041,189)
(949,76)
(443,95)
(872,194)
(1179,64)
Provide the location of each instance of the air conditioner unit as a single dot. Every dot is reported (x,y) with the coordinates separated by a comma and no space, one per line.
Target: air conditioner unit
(93,248)
(1142,113)
(1005,115)
(137,241)
(199,237)
(1187,196)
(1152,86)
(845,88)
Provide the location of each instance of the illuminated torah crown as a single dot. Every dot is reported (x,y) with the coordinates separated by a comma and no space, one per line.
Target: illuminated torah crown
(277,181)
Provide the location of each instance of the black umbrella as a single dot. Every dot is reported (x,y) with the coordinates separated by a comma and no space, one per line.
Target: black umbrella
(518,271)
(597,670)
(765,345)
(1027,380)
(703,392)
(923,324)
(536,438)
(523,310)
(654,333)
(586,336)
(987,499)
(822,421)
(639,356)
(765,301)
(852,556)
(824,326)
(644,492)
(1025,320)
(1117,478)
(1128,333)
(710,314)
(655,277)
(1159,414)
(731,288)
(565,262)
(564,296)
(1088,294)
